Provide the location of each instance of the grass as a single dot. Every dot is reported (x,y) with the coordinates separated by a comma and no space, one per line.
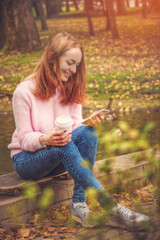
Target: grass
(127,68)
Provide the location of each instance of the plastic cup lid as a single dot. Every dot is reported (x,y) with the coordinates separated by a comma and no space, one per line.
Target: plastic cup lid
(64,120)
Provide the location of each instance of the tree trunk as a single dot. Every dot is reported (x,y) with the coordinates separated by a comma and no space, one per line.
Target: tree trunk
(76,4)
(90,4)
(112,19)
(22,32)
(136,3)
(52,7)
(67,6)
(127,3)
(49,8)
(3,27)
(104,7)
(144,9)
(35,8)
(60,6)
(108,24)
(121,7)
(39,7)
(91,30)
(56,7)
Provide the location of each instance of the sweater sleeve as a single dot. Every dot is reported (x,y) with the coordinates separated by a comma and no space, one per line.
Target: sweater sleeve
(27,137)
(76,115)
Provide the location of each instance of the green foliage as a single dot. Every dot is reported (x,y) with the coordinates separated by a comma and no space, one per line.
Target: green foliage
(33,193)
(86,163)
(46,199)
(148,127)
(30,191)
(131,140)
(5,48)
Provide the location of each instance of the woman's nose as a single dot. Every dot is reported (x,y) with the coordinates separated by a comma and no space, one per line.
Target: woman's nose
(73,69)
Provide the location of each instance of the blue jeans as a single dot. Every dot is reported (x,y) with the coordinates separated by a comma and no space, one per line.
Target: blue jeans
(49,161)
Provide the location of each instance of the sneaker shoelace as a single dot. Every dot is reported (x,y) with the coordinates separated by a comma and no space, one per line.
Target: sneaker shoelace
(84,208)
(126,212)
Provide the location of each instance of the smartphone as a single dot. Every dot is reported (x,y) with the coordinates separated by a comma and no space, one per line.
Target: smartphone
(94,114)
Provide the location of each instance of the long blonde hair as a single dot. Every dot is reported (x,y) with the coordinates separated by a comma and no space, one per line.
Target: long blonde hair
(47,74)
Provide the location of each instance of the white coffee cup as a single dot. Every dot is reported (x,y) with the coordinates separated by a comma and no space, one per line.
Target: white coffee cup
(64,122)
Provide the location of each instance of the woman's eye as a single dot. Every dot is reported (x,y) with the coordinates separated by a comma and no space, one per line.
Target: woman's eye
(69,63)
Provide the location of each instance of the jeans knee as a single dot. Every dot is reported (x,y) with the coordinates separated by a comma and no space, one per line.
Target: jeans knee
(91,135)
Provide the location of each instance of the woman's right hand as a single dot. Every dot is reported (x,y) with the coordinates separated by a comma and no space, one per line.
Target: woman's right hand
(57,138)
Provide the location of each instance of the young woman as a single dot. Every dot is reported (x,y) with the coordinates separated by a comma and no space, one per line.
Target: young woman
(56,87)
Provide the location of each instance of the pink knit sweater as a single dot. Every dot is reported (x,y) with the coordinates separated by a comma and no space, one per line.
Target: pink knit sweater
(35,117)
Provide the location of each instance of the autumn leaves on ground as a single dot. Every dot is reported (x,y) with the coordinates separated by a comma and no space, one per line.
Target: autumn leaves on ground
(57,223)
(126,70)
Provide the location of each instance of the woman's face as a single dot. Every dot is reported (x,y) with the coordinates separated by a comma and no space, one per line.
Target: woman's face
(69,62)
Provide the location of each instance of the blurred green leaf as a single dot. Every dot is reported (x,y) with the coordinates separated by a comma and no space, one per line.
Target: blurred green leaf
(46,199)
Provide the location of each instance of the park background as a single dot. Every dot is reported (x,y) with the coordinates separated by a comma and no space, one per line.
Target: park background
(121,40)
(121,43)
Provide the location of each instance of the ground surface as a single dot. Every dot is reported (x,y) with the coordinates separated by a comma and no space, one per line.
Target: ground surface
(124,69)
(58,225)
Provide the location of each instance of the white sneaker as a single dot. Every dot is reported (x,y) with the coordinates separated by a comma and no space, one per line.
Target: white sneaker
(81,213)
(128,217)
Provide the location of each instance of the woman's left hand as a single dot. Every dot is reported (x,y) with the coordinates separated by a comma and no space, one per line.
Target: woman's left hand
(95,120)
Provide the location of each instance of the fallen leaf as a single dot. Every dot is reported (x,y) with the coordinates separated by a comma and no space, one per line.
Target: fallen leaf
(24,232)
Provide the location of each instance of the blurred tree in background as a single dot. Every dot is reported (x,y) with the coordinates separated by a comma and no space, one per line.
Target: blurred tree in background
(18,27)
(121,7)
(112,19)
(38,5)
(88,6)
